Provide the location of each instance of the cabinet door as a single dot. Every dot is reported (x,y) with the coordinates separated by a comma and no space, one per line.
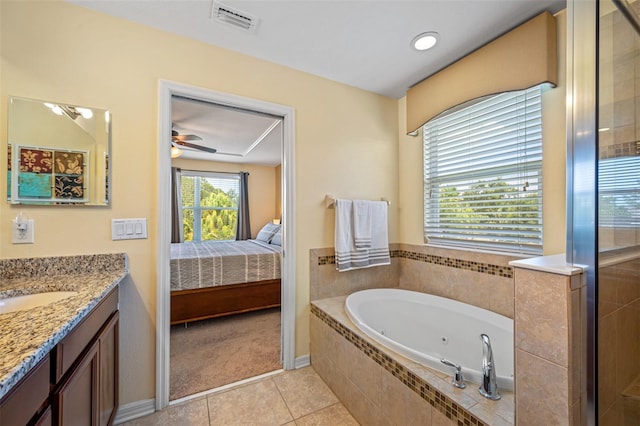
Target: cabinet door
(77,400)
(45,418)
(108,358)
(27,397)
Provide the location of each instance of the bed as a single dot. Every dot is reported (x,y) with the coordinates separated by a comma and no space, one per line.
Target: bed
(217,278)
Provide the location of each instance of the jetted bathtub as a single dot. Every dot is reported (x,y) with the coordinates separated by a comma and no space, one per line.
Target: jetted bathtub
(427,328)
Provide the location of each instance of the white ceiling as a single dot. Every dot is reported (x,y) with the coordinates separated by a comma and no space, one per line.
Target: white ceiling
(365,44)
(239,136)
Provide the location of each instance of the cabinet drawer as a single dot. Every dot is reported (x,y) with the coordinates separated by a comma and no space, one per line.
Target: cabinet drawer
(27,396)
(70,348)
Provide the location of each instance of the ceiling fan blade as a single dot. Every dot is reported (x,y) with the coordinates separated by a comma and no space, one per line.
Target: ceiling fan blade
(194,146)
(186,137)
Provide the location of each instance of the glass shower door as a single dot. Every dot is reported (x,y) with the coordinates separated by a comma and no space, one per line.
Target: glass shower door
(618,233)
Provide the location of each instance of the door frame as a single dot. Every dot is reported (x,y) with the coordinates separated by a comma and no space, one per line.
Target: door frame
(167,89)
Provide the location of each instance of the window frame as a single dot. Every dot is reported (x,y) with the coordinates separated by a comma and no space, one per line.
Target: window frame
(198,209)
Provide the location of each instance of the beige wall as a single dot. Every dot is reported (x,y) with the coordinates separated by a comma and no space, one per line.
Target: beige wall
(345,144)
(553,170)
(263,199)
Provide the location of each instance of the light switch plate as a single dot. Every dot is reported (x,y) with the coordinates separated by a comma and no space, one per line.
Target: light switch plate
(129,229)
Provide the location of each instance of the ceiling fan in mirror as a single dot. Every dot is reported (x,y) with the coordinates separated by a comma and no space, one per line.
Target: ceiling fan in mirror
(178,140)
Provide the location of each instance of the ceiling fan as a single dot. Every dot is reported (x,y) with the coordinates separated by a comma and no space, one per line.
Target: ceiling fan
(178,140)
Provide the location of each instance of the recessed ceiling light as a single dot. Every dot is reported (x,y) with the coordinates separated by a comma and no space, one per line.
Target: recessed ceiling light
(425,41)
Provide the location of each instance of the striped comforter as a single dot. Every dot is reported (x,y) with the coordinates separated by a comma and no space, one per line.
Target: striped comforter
(215,263)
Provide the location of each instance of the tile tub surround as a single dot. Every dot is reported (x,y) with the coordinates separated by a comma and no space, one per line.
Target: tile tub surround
(325,281)
(379,386)
(550,311)
(481,279)
(477,278)
(27,336)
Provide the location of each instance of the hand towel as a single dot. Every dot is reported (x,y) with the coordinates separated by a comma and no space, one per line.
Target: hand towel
(348,257)
(362,224)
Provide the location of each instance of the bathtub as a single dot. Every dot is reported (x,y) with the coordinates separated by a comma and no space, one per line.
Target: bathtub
(427,328)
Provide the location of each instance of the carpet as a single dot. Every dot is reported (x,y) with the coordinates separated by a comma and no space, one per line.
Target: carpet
(215,352)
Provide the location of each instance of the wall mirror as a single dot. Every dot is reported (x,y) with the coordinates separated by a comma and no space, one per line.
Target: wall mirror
(58,154)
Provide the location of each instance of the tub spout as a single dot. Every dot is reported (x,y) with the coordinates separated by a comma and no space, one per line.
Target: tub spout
(489,387)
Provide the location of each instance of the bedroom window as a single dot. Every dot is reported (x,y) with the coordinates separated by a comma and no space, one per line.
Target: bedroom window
(209,205)
(483,175)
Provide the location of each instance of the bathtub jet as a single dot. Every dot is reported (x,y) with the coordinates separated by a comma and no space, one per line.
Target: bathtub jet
(428,329)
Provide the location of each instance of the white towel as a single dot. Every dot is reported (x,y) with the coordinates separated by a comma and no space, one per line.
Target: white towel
(362,224)
(348,257)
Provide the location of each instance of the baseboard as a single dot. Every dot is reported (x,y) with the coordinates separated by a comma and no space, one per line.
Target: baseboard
(135,410)
(302,361)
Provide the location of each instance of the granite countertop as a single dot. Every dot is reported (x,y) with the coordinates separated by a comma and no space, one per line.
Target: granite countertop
(26,337)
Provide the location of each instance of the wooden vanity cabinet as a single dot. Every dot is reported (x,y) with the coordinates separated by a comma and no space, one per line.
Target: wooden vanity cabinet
(77,382)
(86,390)
(29,399)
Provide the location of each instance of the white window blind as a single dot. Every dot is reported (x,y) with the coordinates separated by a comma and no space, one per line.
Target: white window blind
(483,175)
(619,192)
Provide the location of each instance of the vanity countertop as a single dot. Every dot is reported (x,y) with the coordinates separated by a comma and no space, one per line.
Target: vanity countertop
(26,337)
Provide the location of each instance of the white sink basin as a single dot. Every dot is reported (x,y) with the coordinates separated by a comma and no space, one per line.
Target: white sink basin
(22,303)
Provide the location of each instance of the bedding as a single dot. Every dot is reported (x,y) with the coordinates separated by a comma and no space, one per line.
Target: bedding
(217,263)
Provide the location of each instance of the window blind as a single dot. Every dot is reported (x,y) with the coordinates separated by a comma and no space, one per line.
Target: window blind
(483,174)
(619,192)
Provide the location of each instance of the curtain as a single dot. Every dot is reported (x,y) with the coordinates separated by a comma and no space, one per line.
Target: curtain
(243,230)
(177,232)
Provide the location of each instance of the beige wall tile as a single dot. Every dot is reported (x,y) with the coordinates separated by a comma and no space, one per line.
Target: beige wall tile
(607,361)
(439,419)
(402,406)
(542,391)
(627,347)
(541,315)
(364,373)
(502,413)
(613,416)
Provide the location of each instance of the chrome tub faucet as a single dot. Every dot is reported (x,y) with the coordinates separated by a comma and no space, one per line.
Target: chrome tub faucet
(457,380)
(489,387)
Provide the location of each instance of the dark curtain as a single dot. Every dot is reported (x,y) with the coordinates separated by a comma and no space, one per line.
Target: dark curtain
(177,235)
(243,230)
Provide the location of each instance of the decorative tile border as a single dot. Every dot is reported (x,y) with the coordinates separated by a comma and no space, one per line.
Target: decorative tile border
(483,268)
(435,398)
(624,149)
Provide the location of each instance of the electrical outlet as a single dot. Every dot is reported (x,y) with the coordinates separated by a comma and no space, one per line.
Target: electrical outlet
(23,232)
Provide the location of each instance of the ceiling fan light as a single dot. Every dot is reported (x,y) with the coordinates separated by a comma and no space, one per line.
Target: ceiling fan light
(175,152)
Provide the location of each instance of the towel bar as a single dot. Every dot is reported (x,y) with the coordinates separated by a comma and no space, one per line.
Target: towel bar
(330,201)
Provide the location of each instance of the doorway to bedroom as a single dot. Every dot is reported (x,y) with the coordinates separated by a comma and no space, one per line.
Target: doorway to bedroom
(228,305)
(225,245)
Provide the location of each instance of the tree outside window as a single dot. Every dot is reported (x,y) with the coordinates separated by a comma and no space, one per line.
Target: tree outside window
(209,206)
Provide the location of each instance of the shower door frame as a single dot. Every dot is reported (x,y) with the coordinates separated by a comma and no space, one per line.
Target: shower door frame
(582,156)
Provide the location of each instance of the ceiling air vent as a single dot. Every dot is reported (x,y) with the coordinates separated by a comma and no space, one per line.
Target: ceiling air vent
(229,15)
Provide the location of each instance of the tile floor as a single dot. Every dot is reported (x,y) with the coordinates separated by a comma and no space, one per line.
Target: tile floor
(297,397)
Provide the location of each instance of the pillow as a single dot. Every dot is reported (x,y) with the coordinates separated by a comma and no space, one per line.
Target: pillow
(277,238)
(267,232)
